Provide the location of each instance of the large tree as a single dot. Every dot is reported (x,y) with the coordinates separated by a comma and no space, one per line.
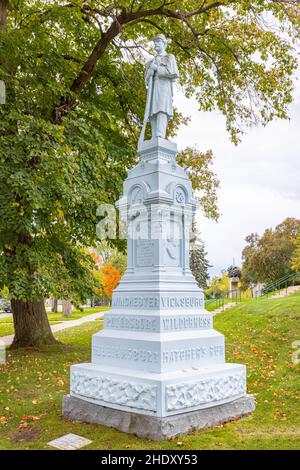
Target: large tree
(74,103)
(268,257)
(218,285)
(295,262)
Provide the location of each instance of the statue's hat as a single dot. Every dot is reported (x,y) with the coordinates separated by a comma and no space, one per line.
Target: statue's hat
(161,37)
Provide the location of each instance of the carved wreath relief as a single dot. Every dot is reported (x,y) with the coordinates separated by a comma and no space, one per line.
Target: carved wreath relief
(180,196)
(212,389)
(131,394)
(144,396)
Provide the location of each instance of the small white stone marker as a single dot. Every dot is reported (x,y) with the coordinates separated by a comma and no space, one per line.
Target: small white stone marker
(69,442)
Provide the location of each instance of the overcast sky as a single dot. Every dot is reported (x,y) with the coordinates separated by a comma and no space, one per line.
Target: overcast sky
(260,178)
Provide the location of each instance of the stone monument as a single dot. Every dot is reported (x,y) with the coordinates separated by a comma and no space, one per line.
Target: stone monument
(158,367)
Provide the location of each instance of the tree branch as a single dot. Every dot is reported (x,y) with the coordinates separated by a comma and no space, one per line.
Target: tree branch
(124,17)
(3,14)
(85,74)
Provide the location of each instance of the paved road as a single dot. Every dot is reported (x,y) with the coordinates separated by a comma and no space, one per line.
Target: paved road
(61,326)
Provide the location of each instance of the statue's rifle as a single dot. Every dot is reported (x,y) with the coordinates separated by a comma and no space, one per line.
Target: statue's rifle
(147,110)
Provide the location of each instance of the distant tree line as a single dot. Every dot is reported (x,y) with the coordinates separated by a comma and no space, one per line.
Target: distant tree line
(272,255)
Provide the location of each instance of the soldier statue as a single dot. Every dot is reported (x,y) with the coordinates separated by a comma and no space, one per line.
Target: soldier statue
(160,75)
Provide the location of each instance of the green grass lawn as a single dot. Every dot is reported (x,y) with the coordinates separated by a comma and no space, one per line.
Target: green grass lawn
(7,327)
(259,334)
(76,314)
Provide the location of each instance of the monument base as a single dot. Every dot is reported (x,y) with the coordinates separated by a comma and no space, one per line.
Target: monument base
(158,395)
(153,427)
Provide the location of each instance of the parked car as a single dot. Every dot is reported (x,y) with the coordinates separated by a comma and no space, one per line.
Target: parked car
(7,308)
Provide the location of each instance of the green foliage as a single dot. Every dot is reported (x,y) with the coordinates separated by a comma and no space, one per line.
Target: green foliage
(268,257)
(296,255)
(204,181)
(233,55)
(4,293)
(218,285)
(52,177)
(74,103)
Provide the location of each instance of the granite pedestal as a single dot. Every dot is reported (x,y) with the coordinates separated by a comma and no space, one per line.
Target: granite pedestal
(154,427)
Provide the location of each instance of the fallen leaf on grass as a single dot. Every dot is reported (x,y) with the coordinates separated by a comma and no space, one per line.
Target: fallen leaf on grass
(23,425)
(30,418)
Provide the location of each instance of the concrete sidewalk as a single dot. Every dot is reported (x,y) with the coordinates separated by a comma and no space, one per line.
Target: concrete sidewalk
(224,308)
(285,291)
(5,315)
(61,326)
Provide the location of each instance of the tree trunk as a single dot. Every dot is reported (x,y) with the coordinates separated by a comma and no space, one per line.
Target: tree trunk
(31,324)
(66,308)
(3,14)
(54,306)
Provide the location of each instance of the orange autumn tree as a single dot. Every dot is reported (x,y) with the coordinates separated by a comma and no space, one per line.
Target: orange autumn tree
(111,278)
(108,278)
(97,259)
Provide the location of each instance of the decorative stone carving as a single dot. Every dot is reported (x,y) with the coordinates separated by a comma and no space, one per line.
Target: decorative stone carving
(180,196)
(137,196)
(213,389)
(132,394)
(173,252)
